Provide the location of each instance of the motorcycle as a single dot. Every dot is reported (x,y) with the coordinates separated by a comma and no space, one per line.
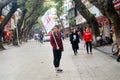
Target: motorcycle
(116,50)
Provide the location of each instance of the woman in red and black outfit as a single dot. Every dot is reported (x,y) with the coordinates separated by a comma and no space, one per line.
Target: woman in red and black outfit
(88,39)
(56,42)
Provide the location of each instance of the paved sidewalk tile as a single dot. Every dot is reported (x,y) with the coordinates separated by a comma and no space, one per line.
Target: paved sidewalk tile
(105,49)
(34,61)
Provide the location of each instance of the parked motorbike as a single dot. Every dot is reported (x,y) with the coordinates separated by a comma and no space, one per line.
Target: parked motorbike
(116,50)
(100,41)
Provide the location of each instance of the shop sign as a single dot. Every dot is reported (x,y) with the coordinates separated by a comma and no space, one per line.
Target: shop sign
(116,3)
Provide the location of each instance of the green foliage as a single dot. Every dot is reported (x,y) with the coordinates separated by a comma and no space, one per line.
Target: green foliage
(59,5)
(34,10)
(42,10)
(19,1)
(29,6)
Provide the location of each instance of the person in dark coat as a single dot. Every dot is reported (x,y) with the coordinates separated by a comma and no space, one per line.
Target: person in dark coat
(74,39)
(56,43)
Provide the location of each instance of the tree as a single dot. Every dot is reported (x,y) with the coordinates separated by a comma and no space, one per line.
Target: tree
(19,25)
(59,5)
(91,20)
(28,9)
(30,12)
(5,21)
(59,10)
(108,10)
(31,18)
(19,22)
(13,9)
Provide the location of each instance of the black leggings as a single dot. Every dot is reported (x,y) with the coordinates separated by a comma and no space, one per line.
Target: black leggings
(75,47)
(57,56)
(89,45)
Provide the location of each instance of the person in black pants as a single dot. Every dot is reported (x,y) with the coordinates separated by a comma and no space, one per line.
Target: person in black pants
(57,56)
(89,45)
(56,42)
(118,59)
(74,39)
(88,39)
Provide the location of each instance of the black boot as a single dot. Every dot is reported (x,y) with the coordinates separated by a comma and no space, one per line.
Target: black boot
(74,52)
(118,59)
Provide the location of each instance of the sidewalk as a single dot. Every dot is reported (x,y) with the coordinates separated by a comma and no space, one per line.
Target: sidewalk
(107,49)
(33,61)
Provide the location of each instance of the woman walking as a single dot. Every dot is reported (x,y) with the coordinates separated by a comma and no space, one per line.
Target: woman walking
(74,39)
(88,39)
(56,42)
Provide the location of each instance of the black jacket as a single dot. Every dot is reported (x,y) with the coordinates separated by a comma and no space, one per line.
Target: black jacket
(74,38)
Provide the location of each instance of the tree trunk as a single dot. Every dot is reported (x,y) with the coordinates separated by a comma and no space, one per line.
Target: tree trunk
(22,32)
(1,44)
(95,29)
(7,18)
(20,22)
(29,27)
(25,37)
(114,17)
(19,25)
(89,17)
(15,41)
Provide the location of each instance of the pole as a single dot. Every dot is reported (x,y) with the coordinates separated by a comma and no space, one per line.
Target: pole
(54,39)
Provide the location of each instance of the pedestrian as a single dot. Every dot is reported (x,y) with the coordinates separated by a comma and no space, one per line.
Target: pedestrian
(56,42)
(63,36)
(88,39)
(74,39)
(41,38)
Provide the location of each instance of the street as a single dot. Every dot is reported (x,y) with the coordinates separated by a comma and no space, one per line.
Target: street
(34,61)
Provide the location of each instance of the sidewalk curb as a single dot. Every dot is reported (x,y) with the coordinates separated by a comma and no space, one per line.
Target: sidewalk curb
(110,54)
(101,50)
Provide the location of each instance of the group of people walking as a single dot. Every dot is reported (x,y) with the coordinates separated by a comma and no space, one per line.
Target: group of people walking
(75,40)
(56,42)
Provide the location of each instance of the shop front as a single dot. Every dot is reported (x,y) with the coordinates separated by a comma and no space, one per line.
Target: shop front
(8,30)
(106,30)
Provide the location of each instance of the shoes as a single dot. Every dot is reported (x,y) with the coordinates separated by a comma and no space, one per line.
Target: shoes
(59,70)
(118,59)
(75,53)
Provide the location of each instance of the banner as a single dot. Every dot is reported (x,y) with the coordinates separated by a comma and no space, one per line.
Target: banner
(48,21)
